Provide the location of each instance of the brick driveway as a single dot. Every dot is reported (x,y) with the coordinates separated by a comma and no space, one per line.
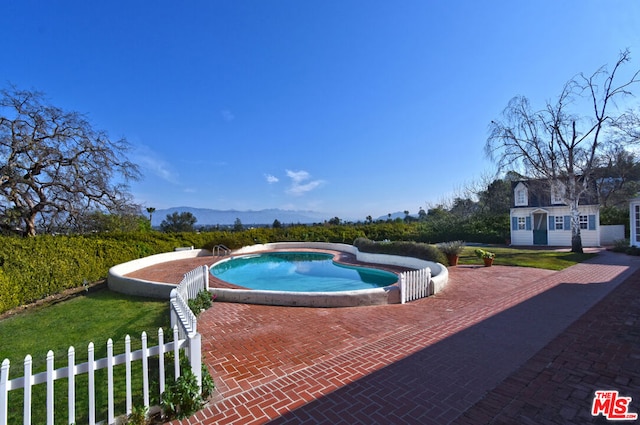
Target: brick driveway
(507,344)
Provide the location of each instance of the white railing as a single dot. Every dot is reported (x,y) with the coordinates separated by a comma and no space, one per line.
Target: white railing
(181,315)
(89,367)
(415,284)
(220,251)
(193,282)
(185,335)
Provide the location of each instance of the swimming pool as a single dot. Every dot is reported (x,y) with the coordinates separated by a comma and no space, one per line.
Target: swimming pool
(299,272)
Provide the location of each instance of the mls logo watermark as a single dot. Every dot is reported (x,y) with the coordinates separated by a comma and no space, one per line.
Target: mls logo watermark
(612,406)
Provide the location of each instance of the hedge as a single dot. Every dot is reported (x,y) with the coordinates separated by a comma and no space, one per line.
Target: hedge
(422,251)
(34,268)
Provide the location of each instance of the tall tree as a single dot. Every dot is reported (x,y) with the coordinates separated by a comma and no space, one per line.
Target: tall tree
(617,177)
(561,144)
(151,210)
(54,165)
(496,198)
(178,222)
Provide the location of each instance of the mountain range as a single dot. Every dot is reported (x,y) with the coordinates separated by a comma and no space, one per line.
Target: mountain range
(211,217)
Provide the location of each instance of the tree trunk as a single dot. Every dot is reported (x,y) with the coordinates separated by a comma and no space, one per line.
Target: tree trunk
(30,226)
(576,238)
(576,243)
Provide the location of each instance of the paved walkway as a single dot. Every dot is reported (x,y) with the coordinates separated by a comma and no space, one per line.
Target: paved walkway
(501,344)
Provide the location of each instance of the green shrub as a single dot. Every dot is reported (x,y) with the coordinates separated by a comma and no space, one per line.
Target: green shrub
(451,247)
(408,249)
(34,268)
(633,250)
(620,245)
(481,253)
(201,302)
(138,416)
(181,398)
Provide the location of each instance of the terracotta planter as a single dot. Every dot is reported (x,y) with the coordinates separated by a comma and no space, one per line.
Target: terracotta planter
(488,262)
(453,259)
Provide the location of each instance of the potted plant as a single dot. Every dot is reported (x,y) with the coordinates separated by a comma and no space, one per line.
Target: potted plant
(486,256)
(451,250)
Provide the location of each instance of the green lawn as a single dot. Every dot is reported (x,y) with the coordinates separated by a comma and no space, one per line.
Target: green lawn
(97,316)
(93,317)
(542,259)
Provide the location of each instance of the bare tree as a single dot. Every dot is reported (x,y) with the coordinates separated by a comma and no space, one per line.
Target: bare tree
(54,165)
(617,177)
(561,145)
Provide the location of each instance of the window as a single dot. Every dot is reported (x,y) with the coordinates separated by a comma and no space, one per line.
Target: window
(522,223)
(584,222)
(559,222)
(521,195)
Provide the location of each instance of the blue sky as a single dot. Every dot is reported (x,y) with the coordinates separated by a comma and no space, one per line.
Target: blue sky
(351,108)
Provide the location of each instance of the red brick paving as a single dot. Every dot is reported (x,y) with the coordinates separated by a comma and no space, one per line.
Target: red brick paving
(499,342)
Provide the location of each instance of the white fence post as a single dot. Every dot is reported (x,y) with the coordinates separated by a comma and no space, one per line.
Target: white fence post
(127,354)
(110,385)
(403,289)
(92,384)
(28,372)
(205,272)
(176,353)
(50,372)
(145,371)
(4,379)
(161,351)
(71,400)
(174,313)
(195,357)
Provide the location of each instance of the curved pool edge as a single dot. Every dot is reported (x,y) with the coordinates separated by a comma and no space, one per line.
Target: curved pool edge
(439,272)
(362,297)
(118,281)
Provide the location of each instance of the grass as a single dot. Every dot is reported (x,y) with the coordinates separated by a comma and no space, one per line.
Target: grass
(94,317)
(538,258)
(97,316)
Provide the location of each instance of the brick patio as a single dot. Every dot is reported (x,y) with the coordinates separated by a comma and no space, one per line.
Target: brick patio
(508,343)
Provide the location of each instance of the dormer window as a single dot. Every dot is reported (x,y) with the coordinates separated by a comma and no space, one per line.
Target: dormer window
(521,195)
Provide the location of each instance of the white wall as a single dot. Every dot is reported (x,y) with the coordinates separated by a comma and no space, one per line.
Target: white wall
(118,282)
(611,233)
(557,237)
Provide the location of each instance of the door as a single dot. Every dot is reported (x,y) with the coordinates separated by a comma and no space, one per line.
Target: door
(540,235)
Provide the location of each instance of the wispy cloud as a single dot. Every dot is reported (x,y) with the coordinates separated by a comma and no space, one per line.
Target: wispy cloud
(149,160)
(271,178)
(301,183)
(227,115)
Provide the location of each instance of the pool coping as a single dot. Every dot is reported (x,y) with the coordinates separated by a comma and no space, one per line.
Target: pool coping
(363,297)
(118,281)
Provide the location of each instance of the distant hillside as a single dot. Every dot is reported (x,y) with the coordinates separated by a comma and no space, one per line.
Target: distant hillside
(209,217)
(394,215)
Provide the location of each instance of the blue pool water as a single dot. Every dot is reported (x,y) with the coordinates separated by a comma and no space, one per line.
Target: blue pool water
(299,272)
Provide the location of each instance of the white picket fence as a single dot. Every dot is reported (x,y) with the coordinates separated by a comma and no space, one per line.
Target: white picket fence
(185,335)
(193,282)
(415,284)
